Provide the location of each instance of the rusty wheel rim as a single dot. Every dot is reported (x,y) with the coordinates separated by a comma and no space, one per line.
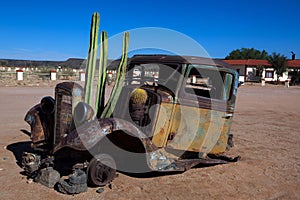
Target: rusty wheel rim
(101,171)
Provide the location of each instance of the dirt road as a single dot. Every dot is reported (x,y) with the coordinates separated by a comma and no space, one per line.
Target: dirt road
(266,135)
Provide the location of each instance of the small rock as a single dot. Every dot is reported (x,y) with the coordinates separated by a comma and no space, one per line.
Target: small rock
(5,158)
(47,177)
(5,147)
(1,169)
(29,181)
(100,190)
(112,186)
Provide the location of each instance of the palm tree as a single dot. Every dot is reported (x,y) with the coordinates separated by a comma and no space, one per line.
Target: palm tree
(279,63)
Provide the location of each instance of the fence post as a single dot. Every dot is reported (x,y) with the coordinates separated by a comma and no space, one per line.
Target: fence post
(287,83)
(82,76)
(52,75)
(194,79)
(19,75)
(263,82)
(109,77)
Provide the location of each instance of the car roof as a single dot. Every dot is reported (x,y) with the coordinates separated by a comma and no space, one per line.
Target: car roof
(178,59)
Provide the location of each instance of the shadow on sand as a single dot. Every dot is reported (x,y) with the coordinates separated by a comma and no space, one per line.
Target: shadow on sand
(19,147)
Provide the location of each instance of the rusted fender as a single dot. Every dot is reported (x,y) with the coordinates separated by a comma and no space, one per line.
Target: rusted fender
(33,119)
(41,121)
(86,136)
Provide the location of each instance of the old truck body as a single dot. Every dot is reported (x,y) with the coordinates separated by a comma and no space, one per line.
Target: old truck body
(173,113)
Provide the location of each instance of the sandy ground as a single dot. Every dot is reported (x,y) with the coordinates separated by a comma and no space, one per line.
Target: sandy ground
(266,135)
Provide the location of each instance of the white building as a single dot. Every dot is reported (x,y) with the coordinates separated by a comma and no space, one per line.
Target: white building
(249,70)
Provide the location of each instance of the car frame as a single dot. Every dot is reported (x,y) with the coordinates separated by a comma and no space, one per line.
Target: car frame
(176,113)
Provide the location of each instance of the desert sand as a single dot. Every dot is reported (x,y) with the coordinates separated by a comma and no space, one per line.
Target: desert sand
(266,135)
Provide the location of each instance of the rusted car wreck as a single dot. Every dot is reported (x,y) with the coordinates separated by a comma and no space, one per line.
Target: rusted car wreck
(173,113)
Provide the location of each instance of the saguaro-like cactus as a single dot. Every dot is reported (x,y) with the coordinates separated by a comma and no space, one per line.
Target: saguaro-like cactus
(92,58)
(116,91)
(102,73)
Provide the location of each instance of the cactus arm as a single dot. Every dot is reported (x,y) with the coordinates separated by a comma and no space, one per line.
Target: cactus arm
(116,91)
(100,97)
(92,58)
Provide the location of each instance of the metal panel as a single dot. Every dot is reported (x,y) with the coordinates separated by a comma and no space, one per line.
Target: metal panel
(162,126)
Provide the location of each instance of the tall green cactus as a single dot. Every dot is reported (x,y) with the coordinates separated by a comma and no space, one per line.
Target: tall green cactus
(100,98)
(116,91)
(92,58)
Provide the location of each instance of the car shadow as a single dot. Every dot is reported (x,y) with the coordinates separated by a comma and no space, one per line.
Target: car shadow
(153,174)
(18,148)
(150,174)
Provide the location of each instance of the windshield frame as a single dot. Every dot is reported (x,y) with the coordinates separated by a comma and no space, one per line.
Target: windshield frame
(163,68)
(212,68)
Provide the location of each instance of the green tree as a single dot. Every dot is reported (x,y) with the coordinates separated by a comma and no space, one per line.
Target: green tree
(260,69)
(279,63)
(3,63)
(247,53)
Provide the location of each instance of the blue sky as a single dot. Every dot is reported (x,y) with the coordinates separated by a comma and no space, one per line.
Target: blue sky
(59,29)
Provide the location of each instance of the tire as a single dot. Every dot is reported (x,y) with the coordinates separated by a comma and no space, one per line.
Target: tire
(101,170)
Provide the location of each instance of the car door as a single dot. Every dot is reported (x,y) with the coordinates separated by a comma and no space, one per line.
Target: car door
(203,114)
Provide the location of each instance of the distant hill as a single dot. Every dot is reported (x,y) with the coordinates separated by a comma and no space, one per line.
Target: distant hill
(74,63)
(71,62)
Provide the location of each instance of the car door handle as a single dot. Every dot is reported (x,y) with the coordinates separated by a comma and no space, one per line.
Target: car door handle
(227,115)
